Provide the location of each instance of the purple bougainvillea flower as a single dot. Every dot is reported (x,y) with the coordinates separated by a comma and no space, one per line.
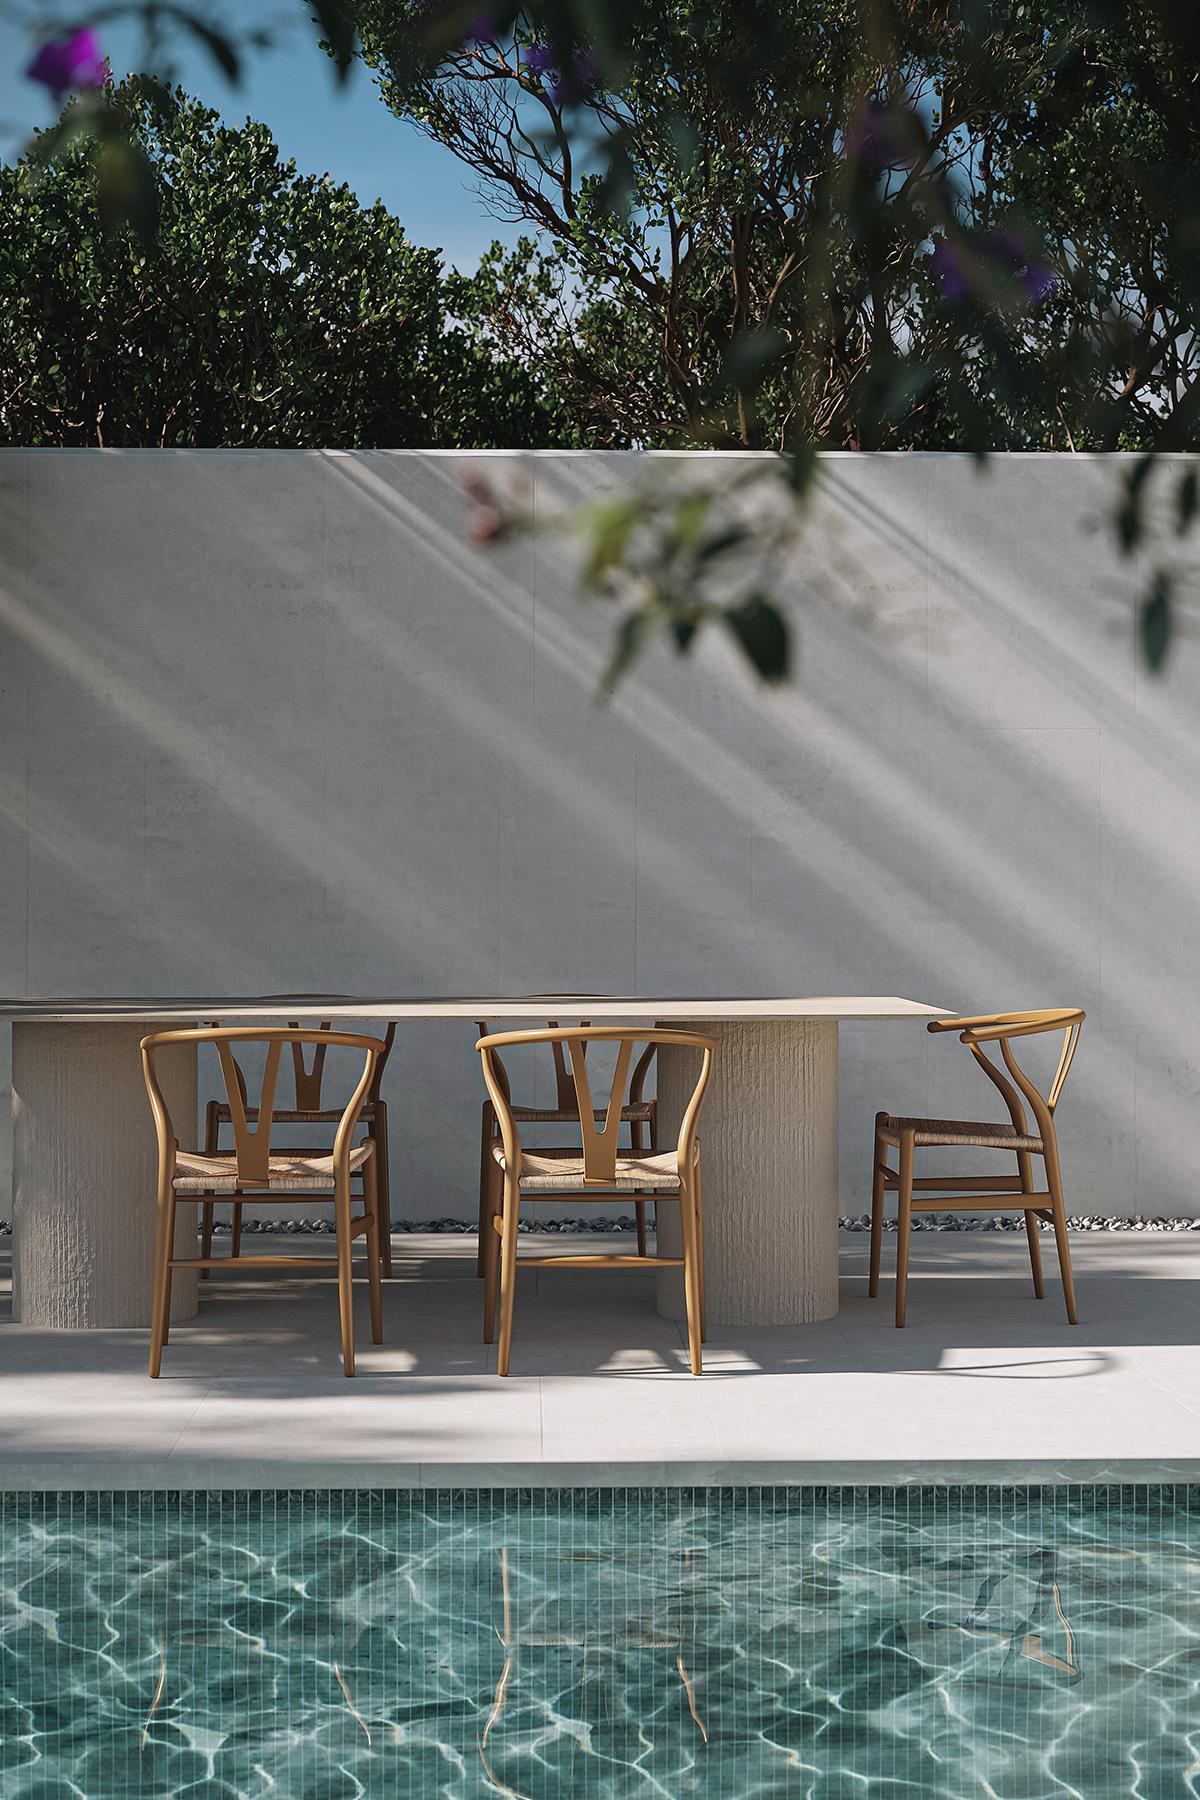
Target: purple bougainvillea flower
(579,80)
(1010,248)
(65,64)
(482,29)
(1006,254)
(1040,283)
(950,268)
(874,139)
(539,58)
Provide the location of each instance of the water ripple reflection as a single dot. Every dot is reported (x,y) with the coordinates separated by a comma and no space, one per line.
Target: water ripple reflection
(818,1644)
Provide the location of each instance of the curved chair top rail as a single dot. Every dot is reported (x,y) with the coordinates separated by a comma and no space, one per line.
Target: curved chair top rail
(252,1145)
(1016,1086)
(599,1142)
(988,1027)
(566,1034)
(263,1034)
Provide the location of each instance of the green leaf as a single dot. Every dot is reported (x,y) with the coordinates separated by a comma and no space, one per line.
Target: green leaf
(690,515)
(633,633)
(335,20)
(730,539)
(801,467)
(684,141)
(609,524)
(126,191)
(215,42)
(1128,517)
(1155,622)
(618,184)
(751,353)
(683,629)
(761,630)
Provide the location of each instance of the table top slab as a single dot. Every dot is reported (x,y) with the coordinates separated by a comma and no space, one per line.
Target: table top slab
(191,1008)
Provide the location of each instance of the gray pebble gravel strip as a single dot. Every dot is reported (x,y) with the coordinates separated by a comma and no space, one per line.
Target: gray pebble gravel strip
(1016,1222)
(577,1227)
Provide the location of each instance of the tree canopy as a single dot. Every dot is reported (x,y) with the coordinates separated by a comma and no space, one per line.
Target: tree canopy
(273,309)
(862,236)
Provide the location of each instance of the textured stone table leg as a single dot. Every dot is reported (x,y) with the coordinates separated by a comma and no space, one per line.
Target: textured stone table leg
(84,1175)
(768,1136)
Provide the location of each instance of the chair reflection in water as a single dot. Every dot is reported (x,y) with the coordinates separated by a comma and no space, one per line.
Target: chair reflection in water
(601,1606)
(1018,1613)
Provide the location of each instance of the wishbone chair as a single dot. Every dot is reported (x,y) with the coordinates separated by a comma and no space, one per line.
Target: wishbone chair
(638,1113)
(601,1169)
(984,1193)
(307,1111)
(254,1171)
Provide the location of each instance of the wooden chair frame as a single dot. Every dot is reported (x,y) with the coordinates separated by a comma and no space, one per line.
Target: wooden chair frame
(638,1113)
(308,1111)
(599,1130)
(252,1150)
(986,1193)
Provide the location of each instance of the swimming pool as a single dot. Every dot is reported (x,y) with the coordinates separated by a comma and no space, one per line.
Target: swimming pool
(733,1643)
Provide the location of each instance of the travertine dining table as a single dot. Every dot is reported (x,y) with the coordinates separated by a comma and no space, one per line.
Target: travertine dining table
(84,1157)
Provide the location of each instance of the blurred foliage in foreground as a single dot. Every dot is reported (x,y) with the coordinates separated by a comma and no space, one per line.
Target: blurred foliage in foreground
(796,224)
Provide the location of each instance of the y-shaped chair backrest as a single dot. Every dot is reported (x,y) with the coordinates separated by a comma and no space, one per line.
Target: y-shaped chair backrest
(599,1141)
(252,1144)
(307,1081)
(1001,1028)
(566,1098)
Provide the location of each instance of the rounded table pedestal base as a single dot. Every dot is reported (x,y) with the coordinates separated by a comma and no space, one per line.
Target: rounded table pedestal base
(768,1136)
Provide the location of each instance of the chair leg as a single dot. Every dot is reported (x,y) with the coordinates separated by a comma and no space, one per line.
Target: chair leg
(212,1132)
(206,1235)
(508,1271)
(345,1276)
(235,1245)
(160,1310)
(699,1215)
(691,1287)
(903,1226)
(1059,1210)
(487,1132)
(652,1139)
(1035,1255)
(491,1251)
(1031,1227)
(383,1186)
(374,1248)
(877,1207)
(638,1142)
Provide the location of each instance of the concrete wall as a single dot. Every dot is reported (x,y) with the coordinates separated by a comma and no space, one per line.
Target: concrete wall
(270,723)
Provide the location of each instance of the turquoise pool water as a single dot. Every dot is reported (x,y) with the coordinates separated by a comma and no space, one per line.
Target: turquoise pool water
(1026,1644)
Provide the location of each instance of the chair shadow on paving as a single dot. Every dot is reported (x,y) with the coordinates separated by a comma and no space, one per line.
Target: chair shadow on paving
(277,1328)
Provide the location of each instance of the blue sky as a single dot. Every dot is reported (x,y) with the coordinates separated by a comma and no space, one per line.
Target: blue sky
(346,131)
